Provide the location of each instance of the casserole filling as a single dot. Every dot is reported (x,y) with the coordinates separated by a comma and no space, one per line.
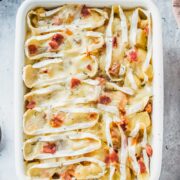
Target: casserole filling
(88,105)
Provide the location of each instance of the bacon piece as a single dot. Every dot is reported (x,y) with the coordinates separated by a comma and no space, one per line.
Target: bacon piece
(89,67)
(85,11)
(57,121)
(115,135)
(142,166)
(49,148)
(104,46)
(32,49)
(55,176)
(53,45)
(30,104)
(114,157)
(111,158)
(114,69)
(148,108)
(123,123)
(58,38)
(146,30)
(75,82)
(114,42)
(93,115)
(132,55)
(102,81)
(45,71)
(66,176)
(107,159)
(149,150)
(104,100)
(122,109)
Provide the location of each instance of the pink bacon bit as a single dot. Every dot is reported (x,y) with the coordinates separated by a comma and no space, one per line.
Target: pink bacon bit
(142,166)
(93,115)
(30,104)
(132,55)
(102,81)
(56,41)
(49,148)
(146,30)
(75,82)
(111,158)
(32,49)
(85,11)
(58,38)
(104,100)
(53,45)
(124,123)
(114,42)
(66,176)
(149,150)
(89,67)
(45,71)
(57,121)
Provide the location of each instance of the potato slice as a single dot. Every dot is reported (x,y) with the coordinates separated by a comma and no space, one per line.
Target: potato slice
(141,39)
(149,72)
(144,176)
(142,118)
(91,169)
(141,53)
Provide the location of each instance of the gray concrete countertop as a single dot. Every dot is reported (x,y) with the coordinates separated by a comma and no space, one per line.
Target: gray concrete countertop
(171,39)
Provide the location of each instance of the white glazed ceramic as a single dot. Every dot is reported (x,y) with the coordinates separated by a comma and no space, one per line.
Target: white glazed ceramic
(157,128)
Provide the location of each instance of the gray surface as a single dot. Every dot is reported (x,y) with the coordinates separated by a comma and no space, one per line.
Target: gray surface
(171,38)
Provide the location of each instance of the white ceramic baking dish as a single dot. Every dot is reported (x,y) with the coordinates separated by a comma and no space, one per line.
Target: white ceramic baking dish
(157,130)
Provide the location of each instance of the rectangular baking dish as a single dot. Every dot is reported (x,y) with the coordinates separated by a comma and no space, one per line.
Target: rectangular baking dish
(19,89)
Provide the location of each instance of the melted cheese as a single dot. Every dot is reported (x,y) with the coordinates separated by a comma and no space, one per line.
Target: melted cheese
(88,105)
